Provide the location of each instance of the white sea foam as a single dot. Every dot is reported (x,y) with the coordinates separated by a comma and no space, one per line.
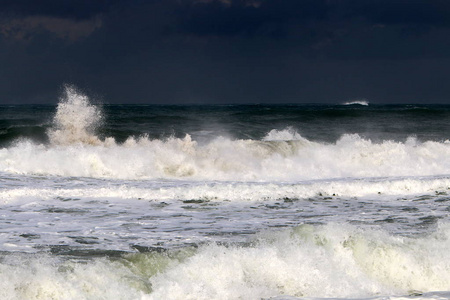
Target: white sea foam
(233,191)
(334,260)
(44,277)
(96,194)
(288,134)
(227,159)
(325,261)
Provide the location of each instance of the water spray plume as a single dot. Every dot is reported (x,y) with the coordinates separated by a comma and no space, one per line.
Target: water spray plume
(75,121)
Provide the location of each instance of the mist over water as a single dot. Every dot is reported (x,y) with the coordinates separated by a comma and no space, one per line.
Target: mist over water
(224,202)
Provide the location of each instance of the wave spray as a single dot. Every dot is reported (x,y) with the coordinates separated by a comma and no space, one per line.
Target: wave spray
(76,120)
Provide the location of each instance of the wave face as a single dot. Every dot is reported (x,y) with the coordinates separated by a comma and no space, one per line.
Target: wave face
(224,202)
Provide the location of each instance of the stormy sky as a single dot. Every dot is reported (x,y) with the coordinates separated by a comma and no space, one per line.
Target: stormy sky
(226,51)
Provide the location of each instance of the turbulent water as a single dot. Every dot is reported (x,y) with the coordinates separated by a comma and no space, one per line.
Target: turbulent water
(337,201)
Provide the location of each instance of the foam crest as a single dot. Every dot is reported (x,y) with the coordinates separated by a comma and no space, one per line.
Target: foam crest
(362,102)
(287,134)
(326,261)
(224,159)
(43,277)
(75,120)
(335,260)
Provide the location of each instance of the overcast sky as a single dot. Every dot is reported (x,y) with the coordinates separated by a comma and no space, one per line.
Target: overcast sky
(226,51)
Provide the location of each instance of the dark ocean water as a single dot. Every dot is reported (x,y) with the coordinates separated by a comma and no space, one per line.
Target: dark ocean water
(342,201)
(322,123)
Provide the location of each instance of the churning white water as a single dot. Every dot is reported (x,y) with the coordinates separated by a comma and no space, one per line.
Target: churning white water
(97,214)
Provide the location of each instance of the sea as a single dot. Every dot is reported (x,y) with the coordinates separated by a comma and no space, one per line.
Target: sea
(314,201)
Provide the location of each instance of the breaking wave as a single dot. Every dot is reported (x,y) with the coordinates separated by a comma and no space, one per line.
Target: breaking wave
(325,261)
(334,260)
(227,159)
(75,149)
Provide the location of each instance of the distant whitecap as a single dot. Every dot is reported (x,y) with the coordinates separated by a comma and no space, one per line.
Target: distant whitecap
(363,102)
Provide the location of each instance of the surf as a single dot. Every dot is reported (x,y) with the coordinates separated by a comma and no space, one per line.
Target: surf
(76,149)
(336,261)
(223,158)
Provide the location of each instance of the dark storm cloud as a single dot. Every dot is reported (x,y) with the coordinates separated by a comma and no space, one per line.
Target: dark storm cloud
(270,18)
(74,9)
(217,51)
(71,20)
(245,18)
(411,12)
(295,18)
